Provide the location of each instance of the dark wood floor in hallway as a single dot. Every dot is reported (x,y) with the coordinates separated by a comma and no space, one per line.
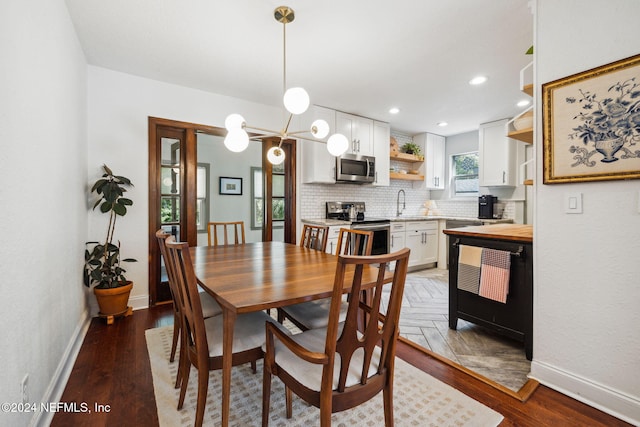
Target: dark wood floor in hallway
(113,369)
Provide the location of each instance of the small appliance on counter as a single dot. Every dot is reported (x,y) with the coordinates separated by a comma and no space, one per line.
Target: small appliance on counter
(486,206)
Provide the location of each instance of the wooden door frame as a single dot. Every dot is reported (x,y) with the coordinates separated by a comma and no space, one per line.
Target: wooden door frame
(289,148)
(188,179)
(188,175)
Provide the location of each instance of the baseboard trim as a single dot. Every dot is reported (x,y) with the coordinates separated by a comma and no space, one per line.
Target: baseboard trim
(139,302)
(613,402)
(63,372)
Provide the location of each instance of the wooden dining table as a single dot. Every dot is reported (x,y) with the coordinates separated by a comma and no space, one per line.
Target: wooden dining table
(264,275)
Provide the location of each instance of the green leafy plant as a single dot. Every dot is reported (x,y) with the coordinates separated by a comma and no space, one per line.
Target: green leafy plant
(102,263)
(412,148)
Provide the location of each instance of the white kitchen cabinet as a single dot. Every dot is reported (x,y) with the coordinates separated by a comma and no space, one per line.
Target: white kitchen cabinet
(381,136)
(497,157)
(359,132)
(398,240)
(318,166)
(434,160)
(422,239)
(332,239)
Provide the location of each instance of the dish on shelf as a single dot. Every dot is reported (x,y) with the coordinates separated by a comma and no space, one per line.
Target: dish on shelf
(413,172)
(524,121)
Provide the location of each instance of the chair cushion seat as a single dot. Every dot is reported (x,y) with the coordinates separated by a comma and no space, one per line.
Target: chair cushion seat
(310,374)
(314,314)
(248,333)
(210,306)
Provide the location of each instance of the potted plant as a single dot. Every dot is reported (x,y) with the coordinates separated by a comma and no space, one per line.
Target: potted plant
(412,148)
(102,262)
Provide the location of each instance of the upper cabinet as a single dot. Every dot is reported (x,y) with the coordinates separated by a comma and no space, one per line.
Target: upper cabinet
(367,137)
(359,132)
(381,136)
(434,159)
(318,166)
(497,159)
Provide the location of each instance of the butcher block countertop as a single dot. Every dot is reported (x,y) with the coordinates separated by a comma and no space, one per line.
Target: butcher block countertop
(510,232)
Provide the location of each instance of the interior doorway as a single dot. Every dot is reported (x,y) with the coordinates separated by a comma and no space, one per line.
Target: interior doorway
(193,179)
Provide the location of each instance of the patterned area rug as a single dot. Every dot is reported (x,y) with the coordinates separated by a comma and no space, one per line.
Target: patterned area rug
(419,399)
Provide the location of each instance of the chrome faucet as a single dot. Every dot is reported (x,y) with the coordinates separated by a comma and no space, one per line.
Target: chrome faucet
(404,202)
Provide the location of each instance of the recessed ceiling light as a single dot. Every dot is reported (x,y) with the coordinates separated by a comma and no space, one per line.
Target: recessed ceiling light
(478,80)
(394,110)
(523,103)
(442,124)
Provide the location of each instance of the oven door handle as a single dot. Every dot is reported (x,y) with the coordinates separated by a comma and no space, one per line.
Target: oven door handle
(372,227)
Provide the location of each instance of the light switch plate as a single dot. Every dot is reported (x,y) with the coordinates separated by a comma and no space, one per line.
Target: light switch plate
(573,203)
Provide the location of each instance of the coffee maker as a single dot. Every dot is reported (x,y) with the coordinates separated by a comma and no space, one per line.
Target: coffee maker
(486,204)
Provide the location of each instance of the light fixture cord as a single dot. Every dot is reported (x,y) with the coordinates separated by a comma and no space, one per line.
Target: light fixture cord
(284,58)
(284,77)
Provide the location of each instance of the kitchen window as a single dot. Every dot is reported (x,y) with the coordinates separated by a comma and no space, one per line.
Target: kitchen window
(464,174)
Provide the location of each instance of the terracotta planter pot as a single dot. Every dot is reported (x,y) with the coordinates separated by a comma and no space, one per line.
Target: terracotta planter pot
(113,301)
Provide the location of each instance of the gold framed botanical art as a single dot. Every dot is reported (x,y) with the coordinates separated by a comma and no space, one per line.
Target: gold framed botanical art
(591,124)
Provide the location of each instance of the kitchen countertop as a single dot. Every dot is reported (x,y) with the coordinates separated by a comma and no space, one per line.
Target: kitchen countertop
(510,232)
(337,222)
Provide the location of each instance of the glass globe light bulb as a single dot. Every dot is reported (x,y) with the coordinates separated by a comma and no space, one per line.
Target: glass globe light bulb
(296,100)
(337,144)
(234,121)
(237,140)
(319,128)
(275,155)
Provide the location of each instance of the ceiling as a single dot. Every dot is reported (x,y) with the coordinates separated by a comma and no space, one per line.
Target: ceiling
(358,56)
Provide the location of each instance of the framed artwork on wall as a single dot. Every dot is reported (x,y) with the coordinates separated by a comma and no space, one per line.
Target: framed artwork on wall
(591,124)
(232,186)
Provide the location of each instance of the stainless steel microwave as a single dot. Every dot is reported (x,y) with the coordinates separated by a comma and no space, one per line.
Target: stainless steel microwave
(355,168)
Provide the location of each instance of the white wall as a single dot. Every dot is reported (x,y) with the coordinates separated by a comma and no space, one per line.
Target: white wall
(44,213)
(119,107)
(222,162)
(586,316)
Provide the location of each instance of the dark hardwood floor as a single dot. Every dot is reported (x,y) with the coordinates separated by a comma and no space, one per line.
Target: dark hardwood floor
(113,369)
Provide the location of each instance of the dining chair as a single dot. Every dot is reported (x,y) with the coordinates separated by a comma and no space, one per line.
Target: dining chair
(344,364)
(314,237)
(202,338)
(226,227)
(315,314)
(210,306)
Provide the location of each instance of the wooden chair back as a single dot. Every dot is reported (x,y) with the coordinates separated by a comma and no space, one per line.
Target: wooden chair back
(367,350)
(193,329)
(354,242)
(314,237)
(227,227)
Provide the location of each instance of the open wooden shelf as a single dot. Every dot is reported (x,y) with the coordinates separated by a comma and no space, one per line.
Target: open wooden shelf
(528,182)
(524,135)
(528,89)
(406,157)
(406,176)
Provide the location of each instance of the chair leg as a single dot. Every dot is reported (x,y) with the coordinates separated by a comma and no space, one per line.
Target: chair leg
(176,334)
(203,387)
(387,396)
(325,415)
(186,370)
(280,316)
(288,397)
(266,395)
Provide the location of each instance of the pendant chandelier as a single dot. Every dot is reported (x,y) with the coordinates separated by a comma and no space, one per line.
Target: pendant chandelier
(296,101)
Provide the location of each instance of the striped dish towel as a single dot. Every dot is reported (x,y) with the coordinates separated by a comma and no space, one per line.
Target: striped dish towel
(469,261)
(494,274)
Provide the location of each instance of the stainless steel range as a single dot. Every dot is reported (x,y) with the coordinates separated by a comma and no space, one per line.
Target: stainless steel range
(355,213)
